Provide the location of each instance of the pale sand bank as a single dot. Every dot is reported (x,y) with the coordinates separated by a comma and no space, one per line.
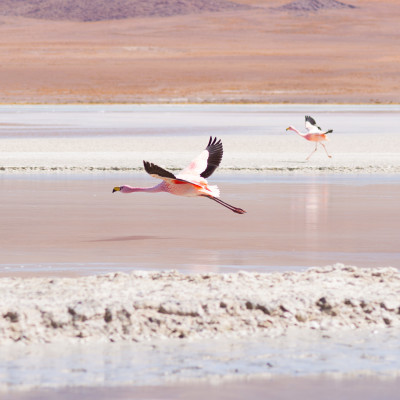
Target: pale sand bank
(343,163)
(152,305)
(286,153)
(118,138)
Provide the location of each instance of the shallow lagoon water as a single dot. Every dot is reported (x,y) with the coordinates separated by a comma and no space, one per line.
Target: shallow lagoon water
(74,225)
(98,120)
(175,361)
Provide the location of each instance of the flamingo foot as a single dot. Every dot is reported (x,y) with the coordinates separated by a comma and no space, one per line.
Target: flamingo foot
(238,210)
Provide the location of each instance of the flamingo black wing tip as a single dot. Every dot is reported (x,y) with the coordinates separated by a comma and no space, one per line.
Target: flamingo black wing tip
(156,171)
(214,141)
(147,166)
(311,120)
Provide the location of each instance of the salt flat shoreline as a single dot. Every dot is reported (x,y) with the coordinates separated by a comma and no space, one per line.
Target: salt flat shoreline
(306,170)
(244,156)
(89,139)
(141,306)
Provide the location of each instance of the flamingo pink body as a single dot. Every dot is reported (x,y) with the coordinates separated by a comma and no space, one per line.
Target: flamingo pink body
(191,181)
(177,188)
(312,137)
(314,134)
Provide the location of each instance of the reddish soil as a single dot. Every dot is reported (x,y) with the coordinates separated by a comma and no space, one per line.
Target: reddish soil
(261,54)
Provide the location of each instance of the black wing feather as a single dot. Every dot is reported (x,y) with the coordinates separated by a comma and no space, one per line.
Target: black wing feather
(311,120)
(154,169)
(215,152)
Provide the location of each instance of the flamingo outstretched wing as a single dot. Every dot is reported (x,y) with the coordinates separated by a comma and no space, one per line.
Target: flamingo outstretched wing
(191,181)
(157,172)
(206,162)
(311,125)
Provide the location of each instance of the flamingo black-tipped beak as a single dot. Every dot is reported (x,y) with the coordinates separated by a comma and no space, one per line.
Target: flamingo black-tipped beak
(287,129)
(116,189)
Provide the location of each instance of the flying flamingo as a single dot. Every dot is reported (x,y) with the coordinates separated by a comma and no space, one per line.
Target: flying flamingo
(190,181)
(314,134)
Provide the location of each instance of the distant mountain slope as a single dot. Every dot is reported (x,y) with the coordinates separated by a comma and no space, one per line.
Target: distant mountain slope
(313,5)
(99,10)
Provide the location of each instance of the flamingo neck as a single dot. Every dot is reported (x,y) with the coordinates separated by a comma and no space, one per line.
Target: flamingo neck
(130,189)
(298,132)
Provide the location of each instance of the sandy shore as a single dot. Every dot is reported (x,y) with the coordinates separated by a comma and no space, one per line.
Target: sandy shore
(118,138)
(271,163)
(266,154)
(149,305)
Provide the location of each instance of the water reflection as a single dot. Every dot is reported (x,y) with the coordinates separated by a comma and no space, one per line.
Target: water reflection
(316,206)
(292,222)
(309,218)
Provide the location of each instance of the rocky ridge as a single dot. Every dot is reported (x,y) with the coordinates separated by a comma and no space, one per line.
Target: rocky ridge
(100,10)
(306,6)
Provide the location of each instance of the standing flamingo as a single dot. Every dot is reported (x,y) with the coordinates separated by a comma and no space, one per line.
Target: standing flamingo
(191,181)
(314,134)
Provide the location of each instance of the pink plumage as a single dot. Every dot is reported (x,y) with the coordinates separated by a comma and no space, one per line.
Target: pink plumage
(191,181)
(314,134)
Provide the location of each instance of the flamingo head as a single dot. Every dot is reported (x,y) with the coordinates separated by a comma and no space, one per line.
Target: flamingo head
(291,128)
(125,189)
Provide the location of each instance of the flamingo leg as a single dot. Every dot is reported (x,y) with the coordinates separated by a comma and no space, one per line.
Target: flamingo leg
(232,208)
(326,151)
(316,144)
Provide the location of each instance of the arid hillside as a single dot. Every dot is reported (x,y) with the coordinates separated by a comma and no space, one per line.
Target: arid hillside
(242,51)
(102,10)
(306,6)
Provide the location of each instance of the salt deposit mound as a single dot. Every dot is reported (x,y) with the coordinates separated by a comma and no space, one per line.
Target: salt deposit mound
(147,305)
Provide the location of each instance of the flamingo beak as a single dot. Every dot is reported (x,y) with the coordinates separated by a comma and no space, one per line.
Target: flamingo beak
(116,189)
(287,129)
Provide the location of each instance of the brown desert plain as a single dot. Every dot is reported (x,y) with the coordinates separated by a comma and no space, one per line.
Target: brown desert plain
(251,51)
